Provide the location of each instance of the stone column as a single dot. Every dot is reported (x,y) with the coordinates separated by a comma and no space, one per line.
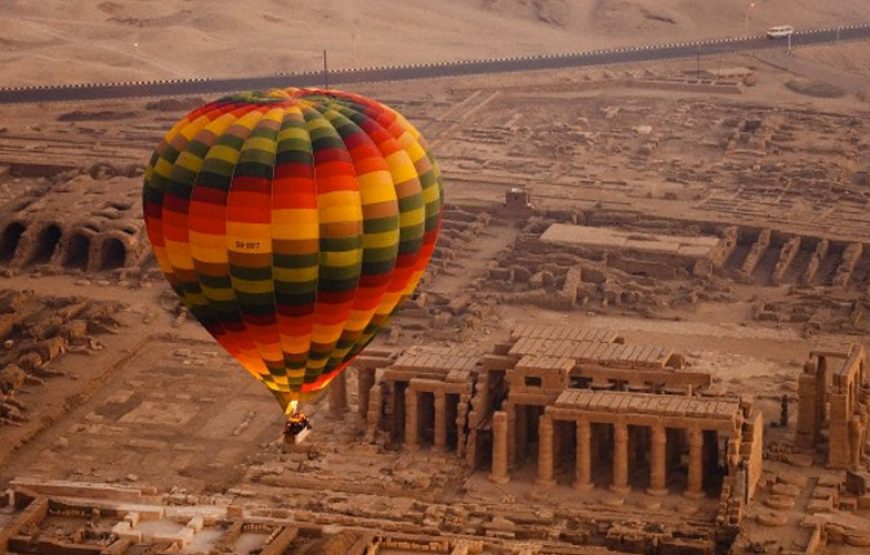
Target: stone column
(620,458)
(658,461)
(499,473)
(461,419)
(338,395)
(695,487)
(584,456)
(365,379)
(545,451)
(411,422)
(375,409)
(440,440)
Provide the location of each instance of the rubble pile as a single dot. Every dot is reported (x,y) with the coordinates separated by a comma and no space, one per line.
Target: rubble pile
(35,331)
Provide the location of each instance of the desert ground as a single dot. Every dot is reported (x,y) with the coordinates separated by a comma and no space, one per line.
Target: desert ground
(82,41)
(110,391)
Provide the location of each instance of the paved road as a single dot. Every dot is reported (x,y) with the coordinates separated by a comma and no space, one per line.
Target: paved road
(95,91)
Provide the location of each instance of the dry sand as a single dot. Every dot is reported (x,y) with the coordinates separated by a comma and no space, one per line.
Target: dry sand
(66,41)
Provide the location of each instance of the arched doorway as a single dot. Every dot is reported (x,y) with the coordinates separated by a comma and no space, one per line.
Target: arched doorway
(46,243)
(9,241)
(112,255)
(77,252)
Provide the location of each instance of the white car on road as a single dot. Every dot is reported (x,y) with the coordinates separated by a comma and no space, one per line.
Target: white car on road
(780,32)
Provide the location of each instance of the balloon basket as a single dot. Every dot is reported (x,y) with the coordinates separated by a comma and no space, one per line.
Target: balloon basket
(296,429)
(296,439)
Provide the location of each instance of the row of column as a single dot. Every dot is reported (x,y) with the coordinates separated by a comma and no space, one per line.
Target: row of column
(583,480)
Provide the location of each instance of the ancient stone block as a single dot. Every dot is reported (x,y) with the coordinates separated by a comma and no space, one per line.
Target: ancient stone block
(857,483)
(11,378)
(30,360)
(76,329)
(51,348)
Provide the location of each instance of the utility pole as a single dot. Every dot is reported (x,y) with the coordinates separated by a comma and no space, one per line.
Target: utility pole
(749,6)
(838,36)
(325,71)
(698,65)
(789,44)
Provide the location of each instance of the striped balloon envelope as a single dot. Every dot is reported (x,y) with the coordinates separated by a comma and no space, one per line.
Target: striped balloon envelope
(292,223)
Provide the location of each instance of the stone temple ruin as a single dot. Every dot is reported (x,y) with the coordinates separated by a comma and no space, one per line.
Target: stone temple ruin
(834,398)
(131,521)
(588,409)
(83,224)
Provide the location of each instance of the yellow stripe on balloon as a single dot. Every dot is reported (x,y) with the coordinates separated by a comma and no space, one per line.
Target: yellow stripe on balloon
(294,133)
(341,258)
(173,131)
(339,207)
(163,167)
(221,124)
(190,162)
(224,153)
(412,147)
(388,303)
(359,319)
(252,286)
(431,194)
(208,240)
(297,344)
(337,199)
(250,119)
(261,143)
(318,123)
(209,255)
(381,240)
(412,283)
(326,333)
(376,187)
(189,131)
(162,259)
(295,274)
(218,293)
(401,166)
(179,254)
(317,364)
(412,217)
(295,223)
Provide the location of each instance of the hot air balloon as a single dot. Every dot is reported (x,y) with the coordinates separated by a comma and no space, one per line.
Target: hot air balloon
(292,224)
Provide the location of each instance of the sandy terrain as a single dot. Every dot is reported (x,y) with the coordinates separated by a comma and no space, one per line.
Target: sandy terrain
(639,147)
(81,41)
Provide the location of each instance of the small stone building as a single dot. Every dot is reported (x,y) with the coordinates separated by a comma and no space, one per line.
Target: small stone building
(834,400)
(422,398)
